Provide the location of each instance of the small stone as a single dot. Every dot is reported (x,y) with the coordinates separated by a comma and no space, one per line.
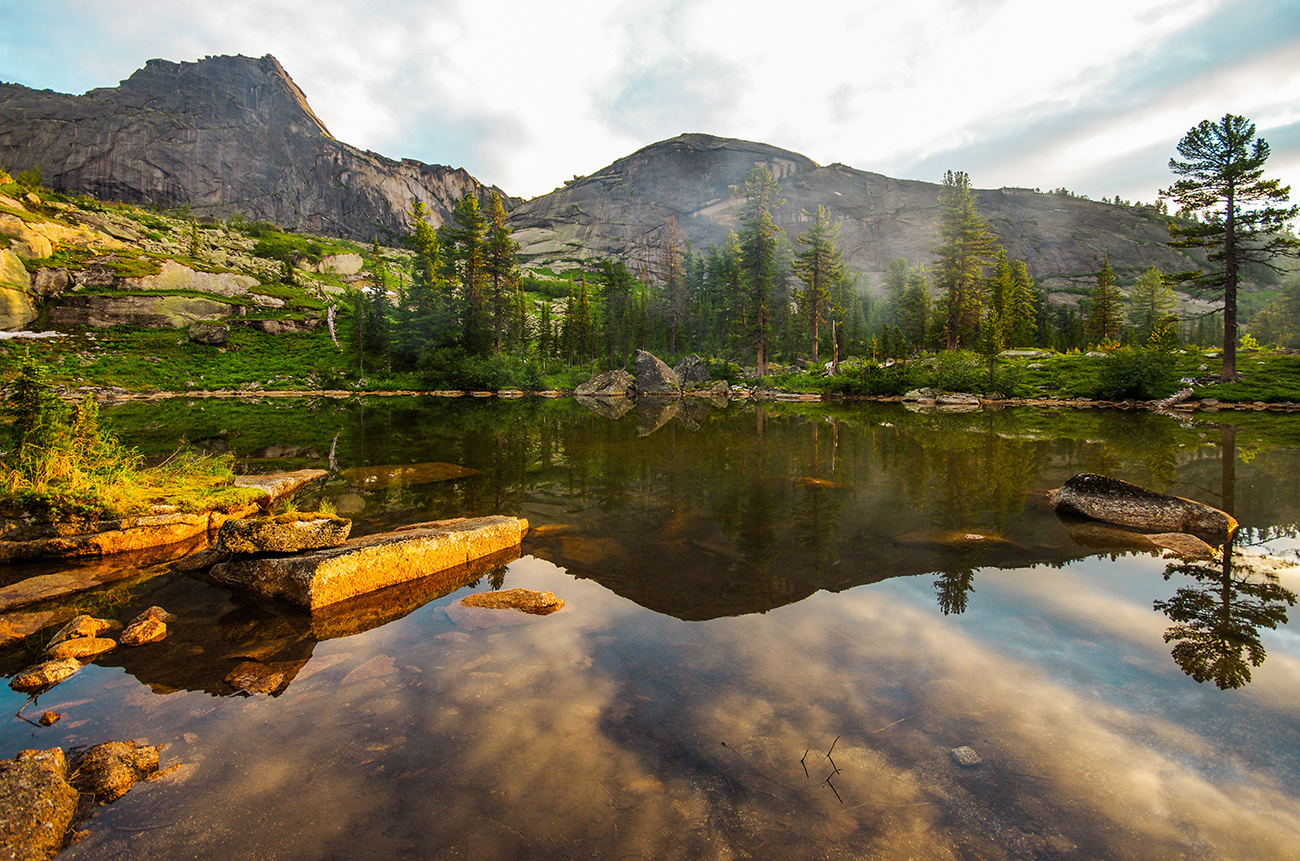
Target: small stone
(45,675)
(253,677)
(965,757)
(149,627)
(49,719)
(81,648)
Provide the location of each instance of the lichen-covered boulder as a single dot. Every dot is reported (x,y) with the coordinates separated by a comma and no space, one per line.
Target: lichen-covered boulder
(611,384)
(692,371)
(149,627)
(82,626)
(1111,500)
(289,533)
(208,332)
(81,648)
(653,377)
(46,675)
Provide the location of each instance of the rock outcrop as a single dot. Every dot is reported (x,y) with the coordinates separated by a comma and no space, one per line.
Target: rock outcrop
(524,600)
(223,135)
(1111,500)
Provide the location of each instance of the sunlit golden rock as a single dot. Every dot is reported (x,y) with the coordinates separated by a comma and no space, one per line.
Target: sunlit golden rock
(108,770)
(81,648)
(372,562)
(285,533)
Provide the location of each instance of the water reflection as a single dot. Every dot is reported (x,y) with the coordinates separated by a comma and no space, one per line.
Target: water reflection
(772,577)
(1217,619)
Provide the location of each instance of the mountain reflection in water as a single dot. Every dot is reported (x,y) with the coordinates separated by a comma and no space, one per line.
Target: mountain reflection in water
(745,589)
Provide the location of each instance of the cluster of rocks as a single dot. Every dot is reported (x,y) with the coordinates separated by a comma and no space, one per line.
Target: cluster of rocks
(81,641)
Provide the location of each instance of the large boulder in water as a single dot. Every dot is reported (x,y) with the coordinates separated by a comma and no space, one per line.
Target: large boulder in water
(653,377)
(611,384)
(285,533)
(1111,500)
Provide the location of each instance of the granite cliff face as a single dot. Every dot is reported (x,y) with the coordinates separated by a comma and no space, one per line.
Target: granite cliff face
(619,212)
(223,135)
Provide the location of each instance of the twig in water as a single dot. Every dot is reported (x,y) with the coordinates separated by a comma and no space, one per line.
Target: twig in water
(805,764)
(832,786)
(895,723)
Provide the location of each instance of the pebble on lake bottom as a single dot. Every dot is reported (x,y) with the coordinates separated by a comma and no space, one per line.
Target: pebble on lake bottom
(965,757)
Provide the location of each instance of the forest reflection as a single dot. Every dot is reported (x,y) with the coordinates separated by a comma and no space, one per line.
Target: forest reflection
(700,512)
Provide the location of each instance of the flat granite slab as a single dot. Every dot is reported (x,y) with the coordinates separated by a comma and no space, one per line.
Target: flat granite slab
(320,578)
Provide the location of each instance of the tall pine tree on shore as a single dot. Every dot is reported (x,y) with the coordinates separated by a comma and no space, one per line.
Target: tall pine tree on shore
(1222,170)
(964,249)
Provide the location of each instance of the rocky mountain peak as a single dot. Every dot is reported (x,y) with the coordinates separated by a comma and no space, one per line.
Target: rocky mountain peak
(236,90)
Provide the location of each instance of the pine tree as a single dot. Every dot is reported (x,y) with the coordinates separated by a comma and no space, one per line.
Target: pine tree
(1150,302)
(502,264)
(1104,310)
(1221,177)
(670,268)
(962,253)
(821,268)
(1025,308)
(758,258)
(466,264)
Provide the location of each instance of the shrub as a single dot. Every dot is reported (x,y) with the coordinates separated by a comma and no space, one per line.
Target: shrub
(1129,372)
(873,381)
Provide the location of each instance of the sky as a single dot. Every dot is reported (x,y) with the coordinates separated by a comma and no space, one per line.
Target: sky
(1093,97)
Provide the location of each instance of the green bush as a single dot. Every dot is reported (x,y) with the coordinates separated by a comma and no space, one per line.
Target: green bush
(958,371)
(1130,372)
(873,381)
(452,368)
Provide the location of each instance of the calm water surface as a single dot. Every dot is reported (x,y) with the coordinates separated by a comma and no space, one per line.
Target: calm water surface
(747,590)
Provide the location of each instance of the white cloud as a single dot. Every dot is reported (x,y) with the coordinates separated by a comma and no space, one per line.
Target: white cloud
(525,94)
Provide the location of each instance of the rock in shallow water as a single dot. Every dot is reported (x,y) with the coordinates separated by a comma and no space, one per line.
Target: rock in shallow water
(1111,500)
(45,675)
(108,770)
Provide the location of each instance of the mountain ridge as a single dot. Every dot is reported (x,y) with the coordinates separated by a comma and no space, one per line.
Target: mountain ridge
(221,136)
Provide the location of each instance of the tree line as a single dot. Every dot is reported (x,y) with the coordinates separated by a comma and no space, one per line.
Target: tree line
(760,296)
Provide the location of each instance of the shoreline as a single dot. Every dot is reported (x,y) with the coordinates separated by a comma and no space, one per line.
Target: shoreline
(1190,405)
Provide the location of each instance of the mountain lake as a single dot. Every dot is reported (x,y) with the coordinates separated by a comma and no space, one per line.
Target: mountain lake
(790,631)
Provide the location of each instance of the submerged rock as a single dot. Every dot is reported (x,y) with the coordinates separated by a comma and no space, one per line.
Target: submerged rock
(1111,500)
(609,407)
(523,600)
(965,756)
(286,533)
(378,477)
(37,804)
(1183,546)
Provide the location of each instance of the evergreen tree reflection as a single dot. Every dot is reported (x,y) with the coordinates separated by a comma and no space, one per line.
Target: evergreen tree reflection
(953,589)
(1217,621)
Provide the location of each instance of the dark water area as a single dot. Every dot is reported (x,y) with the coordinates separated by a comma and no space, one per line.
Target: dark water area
(781,620)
